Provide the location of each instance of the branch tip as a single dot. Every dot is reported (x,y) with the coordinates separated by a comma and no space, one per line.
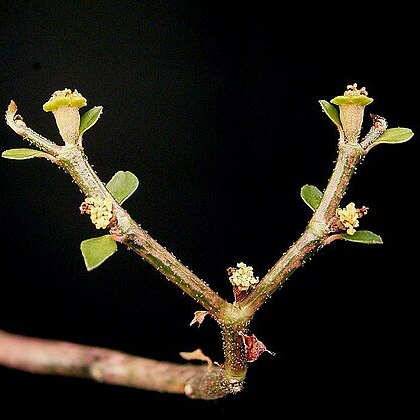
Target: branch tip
(12,108)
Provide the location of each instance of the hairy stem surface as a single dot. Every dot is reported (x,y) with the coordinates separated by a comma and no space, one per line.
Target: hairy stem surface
(316,232)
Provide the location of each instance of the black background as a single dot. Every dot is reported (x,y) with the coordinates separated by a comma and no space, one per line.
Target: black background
(214,107)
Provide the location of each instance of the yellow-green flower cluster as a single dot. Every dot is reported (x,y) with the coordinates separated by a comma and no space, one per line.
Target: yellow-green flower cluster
(243,276)
(349,217)
(100,211)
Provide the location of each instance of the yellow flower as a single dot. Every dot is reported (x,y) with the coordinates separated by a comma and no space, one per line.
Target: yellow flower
(349,217)
(242,277)
(100,211)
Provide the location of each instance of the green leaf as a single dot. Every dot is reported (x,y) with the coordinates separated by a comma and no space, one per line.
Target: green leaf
(363,237)
(122,185)
(394,135)
(331,112)
(311,195)
(21,154)
(96,250)
(90,118)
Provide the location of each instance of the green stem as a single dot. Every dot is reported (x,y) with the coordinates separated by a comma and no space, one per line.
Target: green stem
(235,366)
(75,163)
(139,241)
(316,232)
(16,123)
(349,156)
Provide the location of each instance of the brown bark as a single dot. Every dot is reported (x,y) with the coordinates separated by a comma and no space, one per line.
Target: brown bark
(51,357)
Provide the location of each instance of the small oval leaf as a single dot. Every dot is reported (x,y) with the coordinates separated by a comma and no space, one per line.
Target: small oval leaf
(311,195)
(394,135)
(363,237)
(21,154)
(96,250)
(122,185)
(90,118)
(331,112)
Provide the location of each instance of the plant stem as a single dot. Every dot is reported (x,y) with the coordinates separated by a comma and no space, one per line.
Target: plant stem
(165,262)
(49,357)
(15,122)
(74,161)
(316,232)
(235,359)
(349,155)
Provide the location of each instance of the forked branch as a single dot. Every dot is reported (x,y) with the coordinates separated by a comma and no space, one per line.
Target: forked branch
(328,223)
